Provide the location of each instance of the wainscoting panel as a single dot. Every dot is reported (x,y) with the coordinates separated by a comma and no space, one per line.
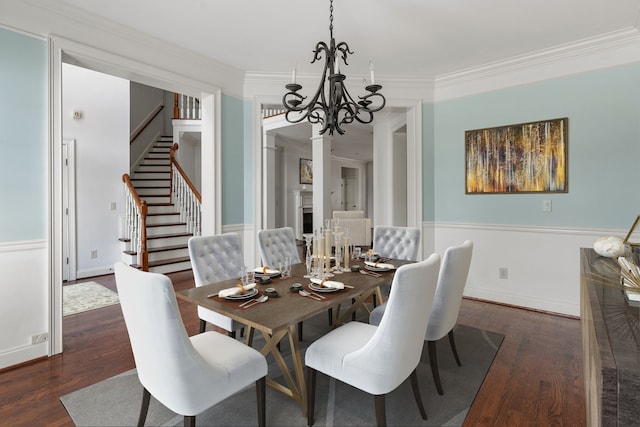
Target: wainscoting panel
(540,266)
(24,301)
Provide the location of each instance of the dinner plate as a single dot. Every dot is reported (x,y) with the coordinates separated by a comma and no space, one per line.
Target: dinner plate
(319,288)
(250,293)
(372,268)
(270,272)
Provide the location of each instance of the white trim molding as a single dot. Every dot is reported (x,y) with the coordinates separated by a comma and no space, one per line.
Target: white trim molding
(542,263)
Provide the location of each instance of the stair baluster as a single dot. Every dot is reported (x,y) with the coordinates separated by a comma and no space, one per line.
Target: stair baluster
(185,196)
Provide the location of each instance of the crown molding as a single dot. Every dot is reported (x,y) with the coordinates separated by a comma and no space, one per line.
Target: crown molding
(608,50)
(48,17)
(398,91)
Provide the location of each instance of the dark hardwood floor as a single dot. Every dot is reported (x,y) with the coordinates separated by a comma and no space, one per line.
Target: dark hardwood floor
(535,379)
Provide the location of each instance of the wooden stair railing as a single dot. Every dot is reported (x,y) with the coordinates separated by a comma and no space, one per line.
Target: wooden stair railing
(185,195)
(136,218)
(144,125)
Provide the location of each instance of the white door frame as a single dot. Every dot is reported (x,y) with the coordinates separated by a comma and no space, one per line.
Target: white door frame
(63,50)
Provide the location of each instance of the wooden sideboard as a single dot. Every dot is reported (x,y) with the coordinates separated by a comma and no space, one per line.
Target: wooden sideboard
(610,345)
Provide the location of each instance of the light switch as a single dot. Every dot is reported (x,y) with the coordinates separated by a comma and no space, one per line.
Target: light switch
(546,206)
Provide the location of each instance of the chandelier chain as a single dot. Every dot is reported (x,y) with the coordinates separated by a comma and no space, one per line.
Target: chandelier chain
(331,18)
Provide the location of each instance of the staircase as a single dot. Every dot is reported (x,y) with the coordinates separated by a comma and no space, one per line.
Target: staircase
(167,235)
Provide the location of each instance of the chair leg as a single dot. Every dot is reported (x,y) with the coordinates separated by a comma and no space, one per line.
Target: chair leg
(311,394)
(353,315)
(189,421)
(381,412)
(232,334)
(433,359)
(452,342)
(241,332)
(299,331)
(203,326)
(416,394)
(144,408)
(330,312)
(260,394)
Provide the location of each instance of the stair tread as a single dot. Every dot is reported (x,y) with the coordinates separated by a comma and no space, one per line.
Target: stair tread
(160,249)
(168,261)
(168,224)
(164,236)
(163,214)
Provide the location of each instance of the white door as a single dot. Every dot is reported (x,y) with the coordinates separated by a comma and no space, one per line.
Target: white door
(69,210)
(350,192)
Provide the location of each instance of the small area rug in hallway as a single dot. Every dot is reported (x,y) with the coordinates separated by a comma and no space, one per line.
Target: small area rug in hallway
(86,296)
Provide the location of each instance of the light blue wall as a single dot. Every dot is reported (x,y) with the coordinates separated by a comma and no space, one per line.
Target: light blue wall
(23,137)
(428,188)
(232,116)
(603,109)
(249,196)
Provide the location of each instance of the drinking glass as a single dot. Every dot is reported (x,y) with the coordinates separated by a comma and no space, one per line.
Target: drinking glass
(309,263)
(243,275)
(357,252)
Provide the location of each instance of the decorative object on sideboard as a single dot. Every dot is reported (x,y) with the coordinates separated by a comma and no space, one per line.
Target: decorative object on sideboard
(609,246)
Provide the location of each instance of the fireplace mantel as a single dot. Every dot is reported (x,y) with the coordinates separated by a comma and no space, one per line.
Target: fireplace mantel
(304,206)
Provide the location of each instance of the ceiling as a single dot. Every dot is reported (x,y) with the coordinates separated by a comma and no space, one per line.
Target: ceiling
(423,39)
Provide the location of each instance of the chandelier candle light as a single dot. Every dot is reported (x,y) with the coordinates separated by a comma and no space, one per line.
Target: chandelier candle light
(336,107)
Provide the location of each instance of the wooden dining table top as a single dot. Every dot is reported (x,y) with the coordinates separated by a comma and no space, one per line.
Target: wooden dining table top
(289,307)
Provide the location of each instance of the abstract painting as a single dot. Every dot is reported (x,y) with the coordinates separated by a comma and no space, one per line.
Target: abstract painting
(523,158)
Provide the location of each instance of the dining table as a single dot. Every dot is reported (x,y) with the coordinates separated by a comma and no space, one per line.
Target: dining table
(277,318)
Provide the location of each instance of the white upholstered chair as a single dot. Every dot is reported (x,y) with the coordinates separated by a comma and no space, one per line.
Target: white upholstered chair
(276,244)
(186,374)
(359,226)
(446,306)
(214,259)
(377,359)
(396,242)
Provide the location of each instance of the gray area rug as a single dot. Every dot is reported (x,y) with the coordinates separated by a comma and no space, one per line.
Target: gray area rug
(86,296)
(116,401)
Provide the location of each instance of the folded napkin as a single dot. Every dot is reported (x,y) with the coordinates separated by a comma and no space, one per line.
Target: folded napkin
(236,290)
(266,270)
(380,265)
(328,283)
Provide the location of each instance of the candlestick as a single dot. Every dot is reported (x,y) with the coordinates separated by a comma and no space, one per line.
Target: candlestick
(327,235)
(347,256)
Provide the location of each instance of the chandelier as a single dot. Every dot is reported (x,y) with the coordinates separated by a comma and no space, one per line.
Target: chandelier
(332,107)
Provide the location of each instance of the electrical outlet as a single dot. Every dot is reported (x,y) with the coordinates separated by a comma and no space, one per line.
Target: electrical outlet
(94,253)
(113,206)
(546,206)
(40,338)
(503,273)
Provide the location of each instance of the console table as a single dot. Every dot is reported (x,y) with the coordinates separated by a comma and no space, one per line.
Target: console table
(610,345)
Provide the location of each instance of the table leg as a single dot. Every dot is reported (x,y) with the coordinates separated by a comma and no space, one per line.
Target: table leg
(294,383)
(342,318)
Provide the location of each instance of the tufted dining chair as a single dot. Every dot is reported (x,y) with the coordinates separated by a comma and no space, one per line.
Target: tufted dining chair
(214,259)
(396,242)
(377,359)
(446,306)
(276,245)
(186,374)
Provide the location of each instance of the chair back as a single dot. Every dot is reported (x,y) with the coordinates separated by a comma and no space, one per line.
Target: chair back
(277,244)
(167,364)
(396,242)
(451,282)
(215,258)
(393,352)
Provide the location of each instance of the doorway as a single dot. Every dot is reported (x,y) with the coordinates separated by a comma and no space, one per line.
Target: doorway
(350,189)
(64,51)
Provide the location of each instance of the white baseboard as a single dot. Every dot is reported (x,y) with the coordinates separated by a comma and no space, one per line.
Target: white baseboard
(23,354)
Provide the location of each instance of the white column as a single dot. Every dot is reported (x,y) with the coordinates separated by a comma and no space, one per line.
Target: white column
(269,187)
(382,173)
(321,150)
